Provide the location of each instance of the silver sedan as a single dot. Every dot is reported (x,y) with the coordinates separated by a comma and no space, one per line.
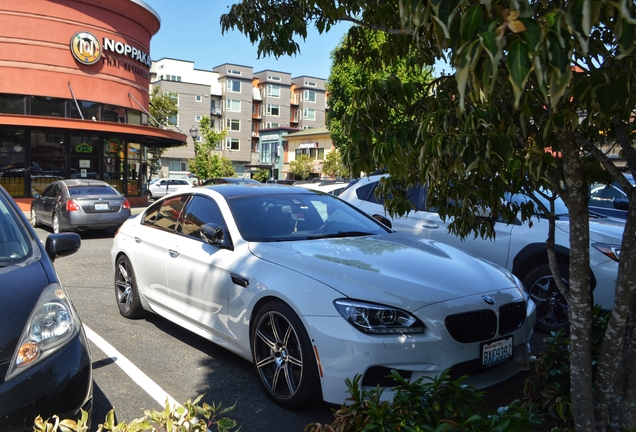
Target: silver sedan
(78,205)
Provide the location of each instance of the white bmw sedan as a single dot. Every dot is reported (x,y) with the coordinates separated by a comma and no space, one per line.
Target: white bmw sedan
(314,291)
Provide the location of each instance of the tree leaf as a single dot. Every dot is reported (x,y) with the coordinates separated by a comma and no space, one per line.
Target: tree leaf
(532,33)
(519,66)
(605,96)
(471,20)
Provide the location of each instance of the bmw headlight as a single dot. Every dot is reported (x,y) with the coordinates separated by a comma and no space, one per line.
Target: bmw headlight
(378,319)
(52,324)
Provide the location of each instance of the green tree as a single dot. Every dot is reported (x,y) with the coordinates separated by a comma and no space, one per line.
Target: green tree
(162,107)
(207,163)
(535,83)
(333,165)
(348,75)
(302,166)
(261,175)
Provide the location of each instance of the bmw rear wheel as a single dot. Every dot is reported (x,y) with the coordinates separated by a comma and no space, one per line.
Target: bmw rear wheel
(283,357)
(126,291)
(552,309)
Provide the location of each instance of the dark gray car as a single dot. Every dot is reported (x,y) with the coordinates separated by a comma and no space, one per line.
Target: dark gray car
(78,205)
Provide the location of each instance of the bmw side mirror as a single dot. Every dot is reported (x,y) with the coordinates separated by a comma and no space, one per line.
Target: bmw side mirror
(214,234)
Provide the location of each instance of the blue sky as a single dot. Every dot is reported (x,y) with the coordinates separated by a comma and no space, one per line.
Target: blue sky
(202,42)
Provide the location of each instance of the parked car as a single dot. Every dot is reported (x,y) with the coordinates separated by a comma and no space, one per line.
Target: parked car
(610,200)
(45,364)
(314,291)
(166,186)
(328,186)
(518,247)
(233,180)
(78,205)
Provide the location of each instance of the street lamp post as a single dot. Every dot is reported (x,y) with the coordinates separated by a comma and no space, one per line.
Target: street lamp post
(194,133)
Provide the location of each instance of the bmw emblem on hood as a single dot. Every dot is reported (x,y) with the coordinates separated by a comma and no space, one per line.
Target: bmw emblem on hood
(488,300)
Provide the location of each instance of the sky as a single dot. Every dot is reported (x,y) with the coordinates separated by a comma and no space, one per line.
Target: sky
(190,31)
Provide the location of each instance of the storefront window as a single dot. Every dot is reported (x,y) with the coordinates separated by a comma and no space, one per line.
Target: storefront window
(135,174)
(48,158)
(12,104)
(12,162)
(113,160)
(90,110)
(134,117)
(48,106)
(85,150)
(114,113)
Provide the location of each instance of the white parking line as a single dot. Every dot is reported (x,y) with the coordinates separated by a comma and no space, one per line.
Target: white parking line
(142,380)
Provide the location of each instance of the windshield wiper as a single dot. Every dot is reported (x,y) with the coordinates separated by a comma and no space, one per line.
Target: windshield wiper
(339,234)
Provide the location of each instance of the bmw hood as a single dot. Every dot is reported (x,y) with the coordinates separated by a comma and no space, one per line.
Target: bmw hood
(397,269)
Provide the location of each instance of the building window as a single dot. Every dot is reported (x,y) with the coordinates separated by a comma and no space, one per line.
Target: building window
(273,110)
(314,153)
(273,78)
(270,125)
(233,124)
(309,96)
(12,104)
(234,72)
(233,105)
(198,98)
(173,78)
(232,143)
(310,83)
(233,86)
(197,118)
(309,114)
(273,91)
(48,106)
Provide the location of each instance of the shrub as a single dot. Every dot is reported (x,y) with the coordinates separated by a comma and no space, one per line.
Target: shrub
(425,405)
(187,418)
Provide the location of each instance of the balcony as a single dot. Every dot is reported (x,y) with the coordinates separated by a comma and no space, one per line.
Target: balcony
(215,111)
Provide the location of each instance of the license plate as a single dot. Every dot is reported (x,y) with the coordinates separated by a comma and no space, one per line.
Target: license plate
(496,352)
(101,206)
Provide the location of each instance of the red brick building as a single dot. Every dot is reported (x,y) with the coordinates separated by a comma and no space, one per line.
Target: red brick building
(74,79)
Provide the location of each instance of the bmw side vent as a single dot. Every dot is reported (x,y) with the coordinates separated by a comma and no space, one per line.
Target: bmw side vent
(472,326)
(511,317)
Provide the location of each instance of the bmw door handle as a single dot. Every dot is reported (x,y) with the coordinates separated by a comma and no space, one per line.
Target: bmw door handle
(173,253)
(430,225)
(137,240)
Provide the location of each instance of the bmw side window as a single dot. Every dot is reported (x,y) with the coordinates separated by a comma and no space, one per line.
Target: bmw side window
(151,214)
(200,211)
(168,215)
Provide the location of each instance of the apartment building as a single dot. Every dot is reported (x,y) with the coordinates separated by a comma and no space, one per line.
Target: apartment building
(197,93)
(309,102)
(243,103)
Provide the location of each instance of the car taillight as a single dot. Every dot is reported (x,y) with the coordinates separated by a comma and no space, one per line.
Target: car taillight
(72,206)
(126,204)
